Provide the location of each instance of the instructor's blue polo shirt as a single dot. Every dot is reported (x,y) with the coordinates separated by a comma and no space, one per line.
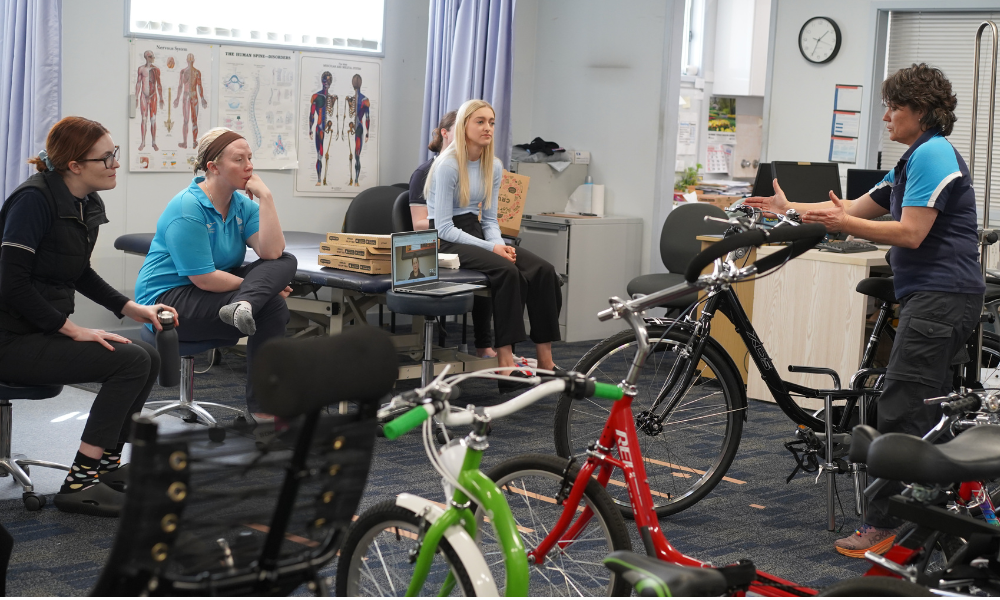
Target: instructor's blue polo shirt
(192,238)
(933,174)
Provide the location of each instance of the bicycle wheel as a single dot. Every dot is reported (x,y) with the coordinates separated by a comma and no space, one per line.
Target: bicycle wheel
(530,484)
(989,371)
(700,436)
(375,558)
(875,586)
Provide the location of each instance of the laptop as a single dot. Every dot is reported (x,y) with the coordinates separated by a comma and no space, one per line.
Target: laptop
(415,266)
(762,183)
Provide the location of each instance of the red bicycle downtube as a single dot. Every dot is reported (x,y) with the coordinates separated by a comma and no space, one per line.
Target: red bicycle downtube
(754,237)
(803,237)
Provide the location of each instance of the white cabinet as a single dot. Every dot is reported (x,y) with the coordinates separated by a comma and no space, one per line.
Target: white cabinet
(741,32)
(596,259)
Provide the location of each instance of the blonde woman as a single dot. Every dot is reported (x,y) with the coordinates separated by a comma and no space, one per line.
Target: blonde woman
(464,179)
(196,258)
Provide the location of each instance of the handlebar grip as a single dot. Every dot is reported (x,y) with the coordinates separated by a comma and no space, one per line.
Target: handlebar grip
(754,237)
(970,403)
(607,391)
(606,315)
(405,422)
(803,237)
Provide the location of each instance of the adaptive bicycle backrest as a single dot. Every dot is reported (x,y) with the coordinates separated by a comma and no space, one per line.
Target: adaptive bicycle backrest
(246,518)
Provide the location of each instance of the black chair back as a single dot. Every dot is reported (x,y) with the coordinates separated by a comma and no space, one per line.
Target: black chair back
(371,211)
(402,220)
(685,223)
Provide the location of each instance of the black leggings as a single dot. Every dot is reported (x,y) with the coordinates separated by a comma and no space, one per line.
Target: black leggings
(528,282)
(198,310)
(126,375)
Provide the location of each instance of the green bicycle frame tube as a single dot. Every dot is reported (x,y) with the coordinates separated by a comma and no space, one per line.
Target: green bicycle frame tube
(488,495)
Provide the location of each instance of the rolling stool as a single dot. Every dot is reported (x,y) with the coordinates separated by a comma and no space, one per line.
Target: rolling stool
(429,307)
(12,464)
(187,403)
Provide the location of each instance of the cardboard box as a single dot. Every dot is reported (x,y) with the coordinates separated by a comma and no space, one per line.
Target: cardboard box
(356,251)
(358,265)
(372,241)
(510,204)
(719,200)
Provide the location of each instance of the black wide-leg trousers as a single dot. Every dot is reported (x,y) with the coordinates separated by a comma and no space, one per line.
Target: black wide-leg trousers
(262,281)
(529,282)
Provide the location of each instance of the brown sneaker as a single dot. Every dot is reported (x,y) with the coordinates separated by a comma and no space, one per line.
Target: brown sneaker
(866,539)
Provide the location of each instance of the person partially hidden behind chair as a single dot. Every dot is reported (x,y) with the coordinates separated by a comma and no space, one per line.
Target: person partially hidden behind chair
(416,274)
(195,261)
(464,179)
(935,261)
(50,225)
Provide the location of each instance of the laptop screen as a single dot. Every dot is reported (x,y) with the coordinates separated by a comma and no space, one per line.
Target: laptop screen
(414,257)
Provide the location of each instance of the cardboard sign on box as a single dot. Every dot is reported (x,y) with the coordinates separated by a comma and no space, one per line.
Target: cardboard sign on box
(510,207)
(372,241)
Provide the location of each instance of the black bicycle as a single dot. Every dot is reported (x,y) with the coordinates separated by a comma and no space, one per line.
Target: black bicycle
(690,401)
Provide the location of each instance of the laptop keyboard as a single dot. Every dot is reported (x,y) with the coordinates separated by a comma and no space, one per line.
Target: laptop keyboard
(437,285)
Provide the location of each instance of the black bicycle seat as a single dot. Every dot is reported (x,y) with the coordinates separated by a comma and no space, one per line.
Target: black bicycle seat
(652,577)
(972,456)
(862,437)
(878,287)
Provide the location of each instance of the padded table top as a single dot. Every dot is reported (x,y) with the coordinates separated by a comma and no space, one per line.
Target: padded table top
(305,247)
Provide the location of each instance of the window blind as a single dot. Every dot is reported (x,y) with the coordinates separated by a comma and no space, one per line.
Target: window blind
(947,41)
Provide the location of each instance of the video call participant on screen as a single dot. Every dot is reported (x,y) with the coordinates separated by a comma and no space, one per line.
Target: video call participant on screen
(463,179)
(195,262)
(50,225)
(482,308)
(934,257)
(415,273)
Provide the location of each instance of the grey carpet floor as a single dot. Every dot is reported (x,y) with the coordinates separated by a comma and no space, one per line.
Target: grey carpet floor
(780,526)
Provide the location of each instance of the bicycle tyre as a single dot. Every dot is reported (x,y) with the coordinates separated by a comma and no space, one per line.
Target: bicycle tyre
(375,522)
(875,586)
(682,450)
(530,483)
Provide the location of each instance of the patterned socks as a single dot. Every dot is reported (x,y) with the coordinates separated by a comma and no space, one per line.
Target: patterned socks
(112,459)
(82,475)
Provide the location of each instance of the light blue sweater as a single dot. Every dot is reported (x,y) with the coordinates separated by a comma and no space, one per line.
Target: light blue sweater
(442,203)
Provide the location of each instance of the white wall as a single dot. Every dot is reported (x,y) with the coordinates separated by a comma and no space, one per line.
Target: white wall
(590,75)
(801,100)
(95,85)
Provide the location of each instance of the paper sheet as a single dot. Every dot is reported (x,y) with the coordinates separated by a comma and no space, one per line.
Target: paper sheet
(846,124)
(848,97)
(843,149)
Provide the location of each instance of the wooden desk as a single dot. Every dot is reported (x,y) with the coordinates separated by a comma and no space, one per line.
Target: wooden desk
(807,313)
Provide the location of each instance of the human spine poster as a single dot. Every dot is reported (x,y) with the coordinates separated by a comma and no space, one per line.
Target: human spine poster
(338,125)
(256,99)
(170,91)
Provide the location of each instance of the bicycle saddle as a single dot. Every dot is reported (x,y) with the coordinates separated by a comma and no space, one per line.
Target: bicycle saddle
(652,577)
(973,455)
(878,287)
(862,437)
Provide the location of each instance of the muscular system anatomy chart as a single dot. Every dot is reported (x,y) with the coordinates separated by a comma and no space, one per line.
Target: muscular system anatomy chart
(256,98)
(338,125)
(170,94)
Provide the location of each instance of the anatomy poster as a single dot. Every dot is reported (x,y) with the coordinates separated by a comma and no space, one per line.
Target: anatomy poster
(338,125)
(169,89)
(257,96)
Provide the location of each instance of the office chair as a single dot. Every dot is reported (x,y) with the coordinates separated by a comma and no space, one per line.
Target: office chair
(677,247)
(402,186)
(402,220)
(16,465)
(371,211)
(203,520)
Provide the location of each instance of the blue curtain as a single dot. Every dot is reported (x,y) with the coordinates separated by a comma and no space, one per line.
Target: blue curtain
(470,54)
(30,84)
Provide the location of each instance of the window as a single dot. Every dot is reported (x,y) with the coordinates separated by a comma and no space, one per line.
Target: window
(947,41)
(337,25)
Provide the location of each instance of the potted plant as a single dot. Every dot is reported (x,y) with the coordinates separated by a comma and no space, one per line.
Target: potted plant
(689,180)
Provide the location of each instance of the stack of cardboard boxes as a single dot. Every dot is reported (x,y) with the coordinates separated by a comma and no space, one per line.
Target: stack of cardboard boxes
(370,254)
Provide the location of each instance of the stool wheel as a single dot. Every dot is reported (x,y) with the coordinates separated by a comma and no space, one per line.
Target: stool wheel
(216,434)
(380,430)
(241,420)
(33,501)
(190,418)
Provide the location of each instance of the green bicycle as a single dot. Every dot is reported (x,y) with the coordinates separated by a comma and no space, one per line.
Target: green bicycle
(415,546)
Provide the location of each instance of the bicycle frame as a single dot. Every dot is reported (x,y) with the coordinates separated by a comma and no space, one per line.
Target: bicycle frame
(488,495)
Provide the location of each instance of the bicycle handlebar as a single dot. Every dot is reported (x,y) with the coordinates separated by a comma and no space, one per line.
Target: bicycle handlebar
(754,237)
(406,422)
(803,237)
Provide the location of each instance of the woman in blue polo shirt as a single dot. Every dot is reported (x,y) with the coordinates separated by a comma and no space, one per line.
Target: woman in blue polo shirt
(935,263)
(196,258)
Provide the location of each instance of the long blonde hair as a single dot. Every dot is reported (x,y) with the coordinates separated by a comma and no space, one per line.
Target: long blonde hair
(460,152)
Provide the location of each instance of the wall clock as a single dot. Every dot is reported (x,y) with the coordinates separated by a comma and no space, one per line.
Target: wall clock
(819,40)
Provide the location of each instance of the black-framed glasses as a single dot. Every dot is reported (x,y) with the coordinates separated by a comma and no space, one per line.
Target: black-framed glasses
(109,160)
